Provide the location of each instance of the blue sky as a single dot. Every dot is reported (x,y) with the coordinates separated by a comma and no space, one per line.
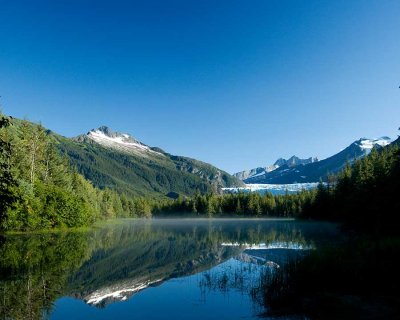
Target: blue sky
(233,83)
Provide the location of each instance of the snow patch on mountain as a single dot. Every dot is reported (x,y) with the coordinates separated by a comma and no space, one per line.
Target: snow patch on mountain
(268,246)
(101,138)
(121,294)
(295,170)
(120,141)
(368,144)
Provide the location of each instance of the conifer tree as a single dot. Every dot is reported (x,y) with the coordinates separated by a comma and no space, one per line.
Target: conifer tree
(8,183)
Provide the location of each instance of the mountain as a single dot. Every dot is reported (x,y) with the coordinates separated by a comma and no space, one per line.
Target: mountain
(261,171)
(293,161)
(118,161)
(119,141)
(314,171)
(396,142)
(243,175)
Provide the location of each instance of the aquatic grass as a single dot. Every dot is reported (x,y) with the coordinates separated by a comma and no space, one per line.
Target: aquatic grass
(336,281)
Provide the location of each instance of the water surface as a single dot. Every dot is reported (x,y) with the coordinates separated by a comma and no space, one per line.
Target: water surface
(151,269)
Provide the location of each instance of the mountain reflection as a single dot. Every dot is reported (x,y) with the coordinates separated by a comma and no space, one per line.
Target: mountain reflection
(114,262)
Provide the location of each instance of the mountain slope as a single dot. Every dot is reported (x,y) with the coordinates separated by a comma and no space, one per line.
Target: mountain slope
(113,160)
(315,171)
(260,171)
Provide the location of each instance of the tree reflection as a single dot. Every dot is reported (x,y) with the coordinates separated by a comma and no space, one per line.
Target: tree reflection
(113,262)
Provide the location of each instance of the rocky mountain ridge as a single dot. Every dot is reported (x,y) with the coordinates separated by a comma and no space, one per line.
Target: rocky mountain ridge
(313,170)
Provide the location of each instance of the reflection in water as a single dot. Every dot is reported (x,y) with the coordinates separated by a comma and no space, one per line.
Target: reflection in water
(272,245)
(250,273)
(233,274)
(115,262)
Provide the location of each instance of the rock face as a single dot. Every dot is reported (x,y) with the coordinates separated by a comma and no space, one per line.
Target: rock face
(243,175)
(293,161)
(311,170)
(260,171)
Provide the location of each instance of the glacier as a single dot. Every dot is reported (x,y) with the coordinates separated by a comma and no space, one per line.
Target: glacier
(275,189)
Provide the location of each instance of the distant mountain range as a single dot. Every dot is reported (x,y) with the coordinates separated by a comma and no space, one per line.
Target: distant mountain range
(291,162)
(295,170)
(118,161)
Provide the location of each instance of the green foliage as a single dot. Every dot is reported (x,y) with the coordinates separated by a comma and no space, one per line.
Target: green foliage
(240,204)
(40,190)
(363,196)
(8,183)
(34,271)
(154,175)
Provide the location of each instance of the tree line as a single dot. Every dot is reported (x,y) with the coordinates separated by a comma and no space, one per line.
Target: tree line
(40,190)
(364,195)
(239,204)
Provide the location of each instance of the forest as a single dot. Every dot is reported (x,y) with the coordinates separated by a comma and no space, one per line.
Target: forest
(39,189)
(363,195)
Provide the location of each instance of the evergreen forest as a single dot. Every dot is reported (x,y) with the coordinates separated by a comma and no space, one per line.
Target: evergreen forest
(40,189)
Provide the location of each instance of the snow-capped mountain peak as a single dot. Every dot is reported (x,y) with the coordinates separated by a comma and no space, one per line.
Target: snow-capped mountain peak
(261,171)
(105,133)
(311,170)
(368,144)
(121,141)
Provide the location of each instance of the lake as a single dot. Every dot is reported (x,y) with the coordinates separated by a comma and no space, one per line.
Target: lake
(152,269)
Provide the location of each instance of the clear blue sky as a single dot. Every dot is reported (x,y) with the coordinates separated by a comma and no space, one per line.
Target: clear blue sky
(234,83)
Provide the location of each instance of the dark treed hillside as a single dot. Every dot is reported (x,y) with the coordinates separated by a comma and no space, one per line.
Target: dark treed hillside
(134,174)
(363,195)
(44,192)
(320,170)
(40,190)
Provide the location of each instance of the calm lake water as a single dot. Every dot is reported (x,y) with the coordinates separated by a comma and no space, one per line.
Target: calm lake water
(151,269)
